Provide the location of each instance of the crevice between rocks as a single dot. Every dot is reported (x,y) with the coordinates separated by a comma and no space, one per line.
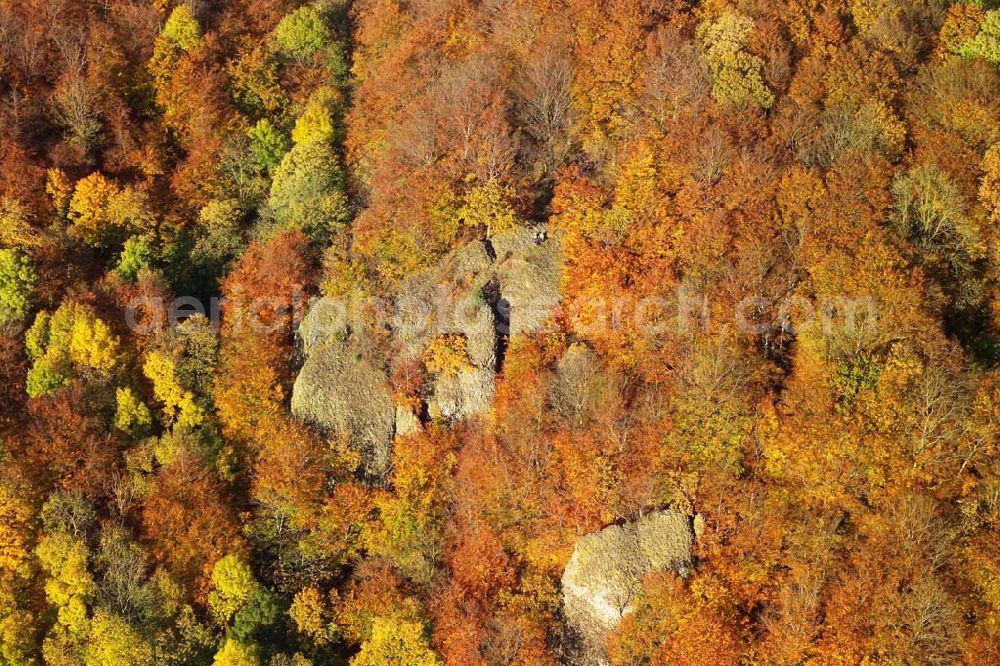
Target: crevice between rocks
(500,307)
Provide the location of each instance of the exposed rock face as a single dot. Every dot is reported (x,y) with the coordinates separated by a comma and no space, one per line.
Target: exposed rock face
(407,422)
(581,388)
(528,271)
(342,394)
(482,292)
(466,393)
(605,574)
(326,322)
(448,298)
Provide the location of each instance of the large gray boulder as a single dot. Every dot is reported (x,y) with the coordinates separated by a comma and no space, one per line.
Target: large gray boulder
(448,298)
(464,394)
(326,322)
(605,573)
(528,273)
(341,393)
(471,293)
(483,292)
(407,423)
(581,388)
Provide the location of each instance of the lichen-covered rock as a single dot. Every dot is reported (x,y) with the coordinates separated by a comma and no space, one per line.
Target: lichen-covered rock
(465,393)
(447,299)
(325,321)
(528,272)
(473,293)
(481,293)
(581,388)
(344,395)
(407,422)
(473,318)
(605,574)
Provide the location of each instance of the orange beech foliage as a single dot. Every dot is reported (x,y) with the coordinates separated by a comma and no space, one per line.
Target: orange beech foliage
(675,624)
(373,591)
(868,597)
(66,446)
(264,296)
(616,263)
(198,87)
(484,619)
(188,521)
(608,45)
(14,366)
(24,177)
(459,631)
(777,264)
(478,561)
(289,473)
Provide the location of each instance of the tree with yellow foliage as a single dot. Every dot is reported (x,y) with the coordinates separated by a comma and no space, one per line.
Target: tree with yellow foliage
(18,280)
(302,33)
(989,189)
(446,355)
(16,230)
(88,208)
(180,34)
(72,342)
(70,586)
(318,121)
(16,516)
(131,414)
(92,344)
(409,530)
(104,213)
(114,642)
(234,653)
(16,571)
(488,206)
(395,642)
(608,49)
(736,73)
(233,584)
(179,404)
(310,614)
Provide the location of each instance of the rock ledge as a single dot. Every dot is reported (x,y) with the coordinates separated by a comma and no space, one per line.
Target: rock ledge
(605,574)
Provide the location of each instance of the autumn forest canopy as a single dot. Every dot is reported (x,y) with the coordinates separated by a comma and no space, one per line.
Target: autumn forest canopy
(731,393)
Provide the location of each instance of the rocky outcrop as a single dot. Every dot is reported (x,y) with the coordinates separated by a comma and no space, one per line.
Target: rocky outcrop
(341,393)
(605,574)
(465,393)
(407,423)
(527,270)
(581,388)
(449,299)
(482,293)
